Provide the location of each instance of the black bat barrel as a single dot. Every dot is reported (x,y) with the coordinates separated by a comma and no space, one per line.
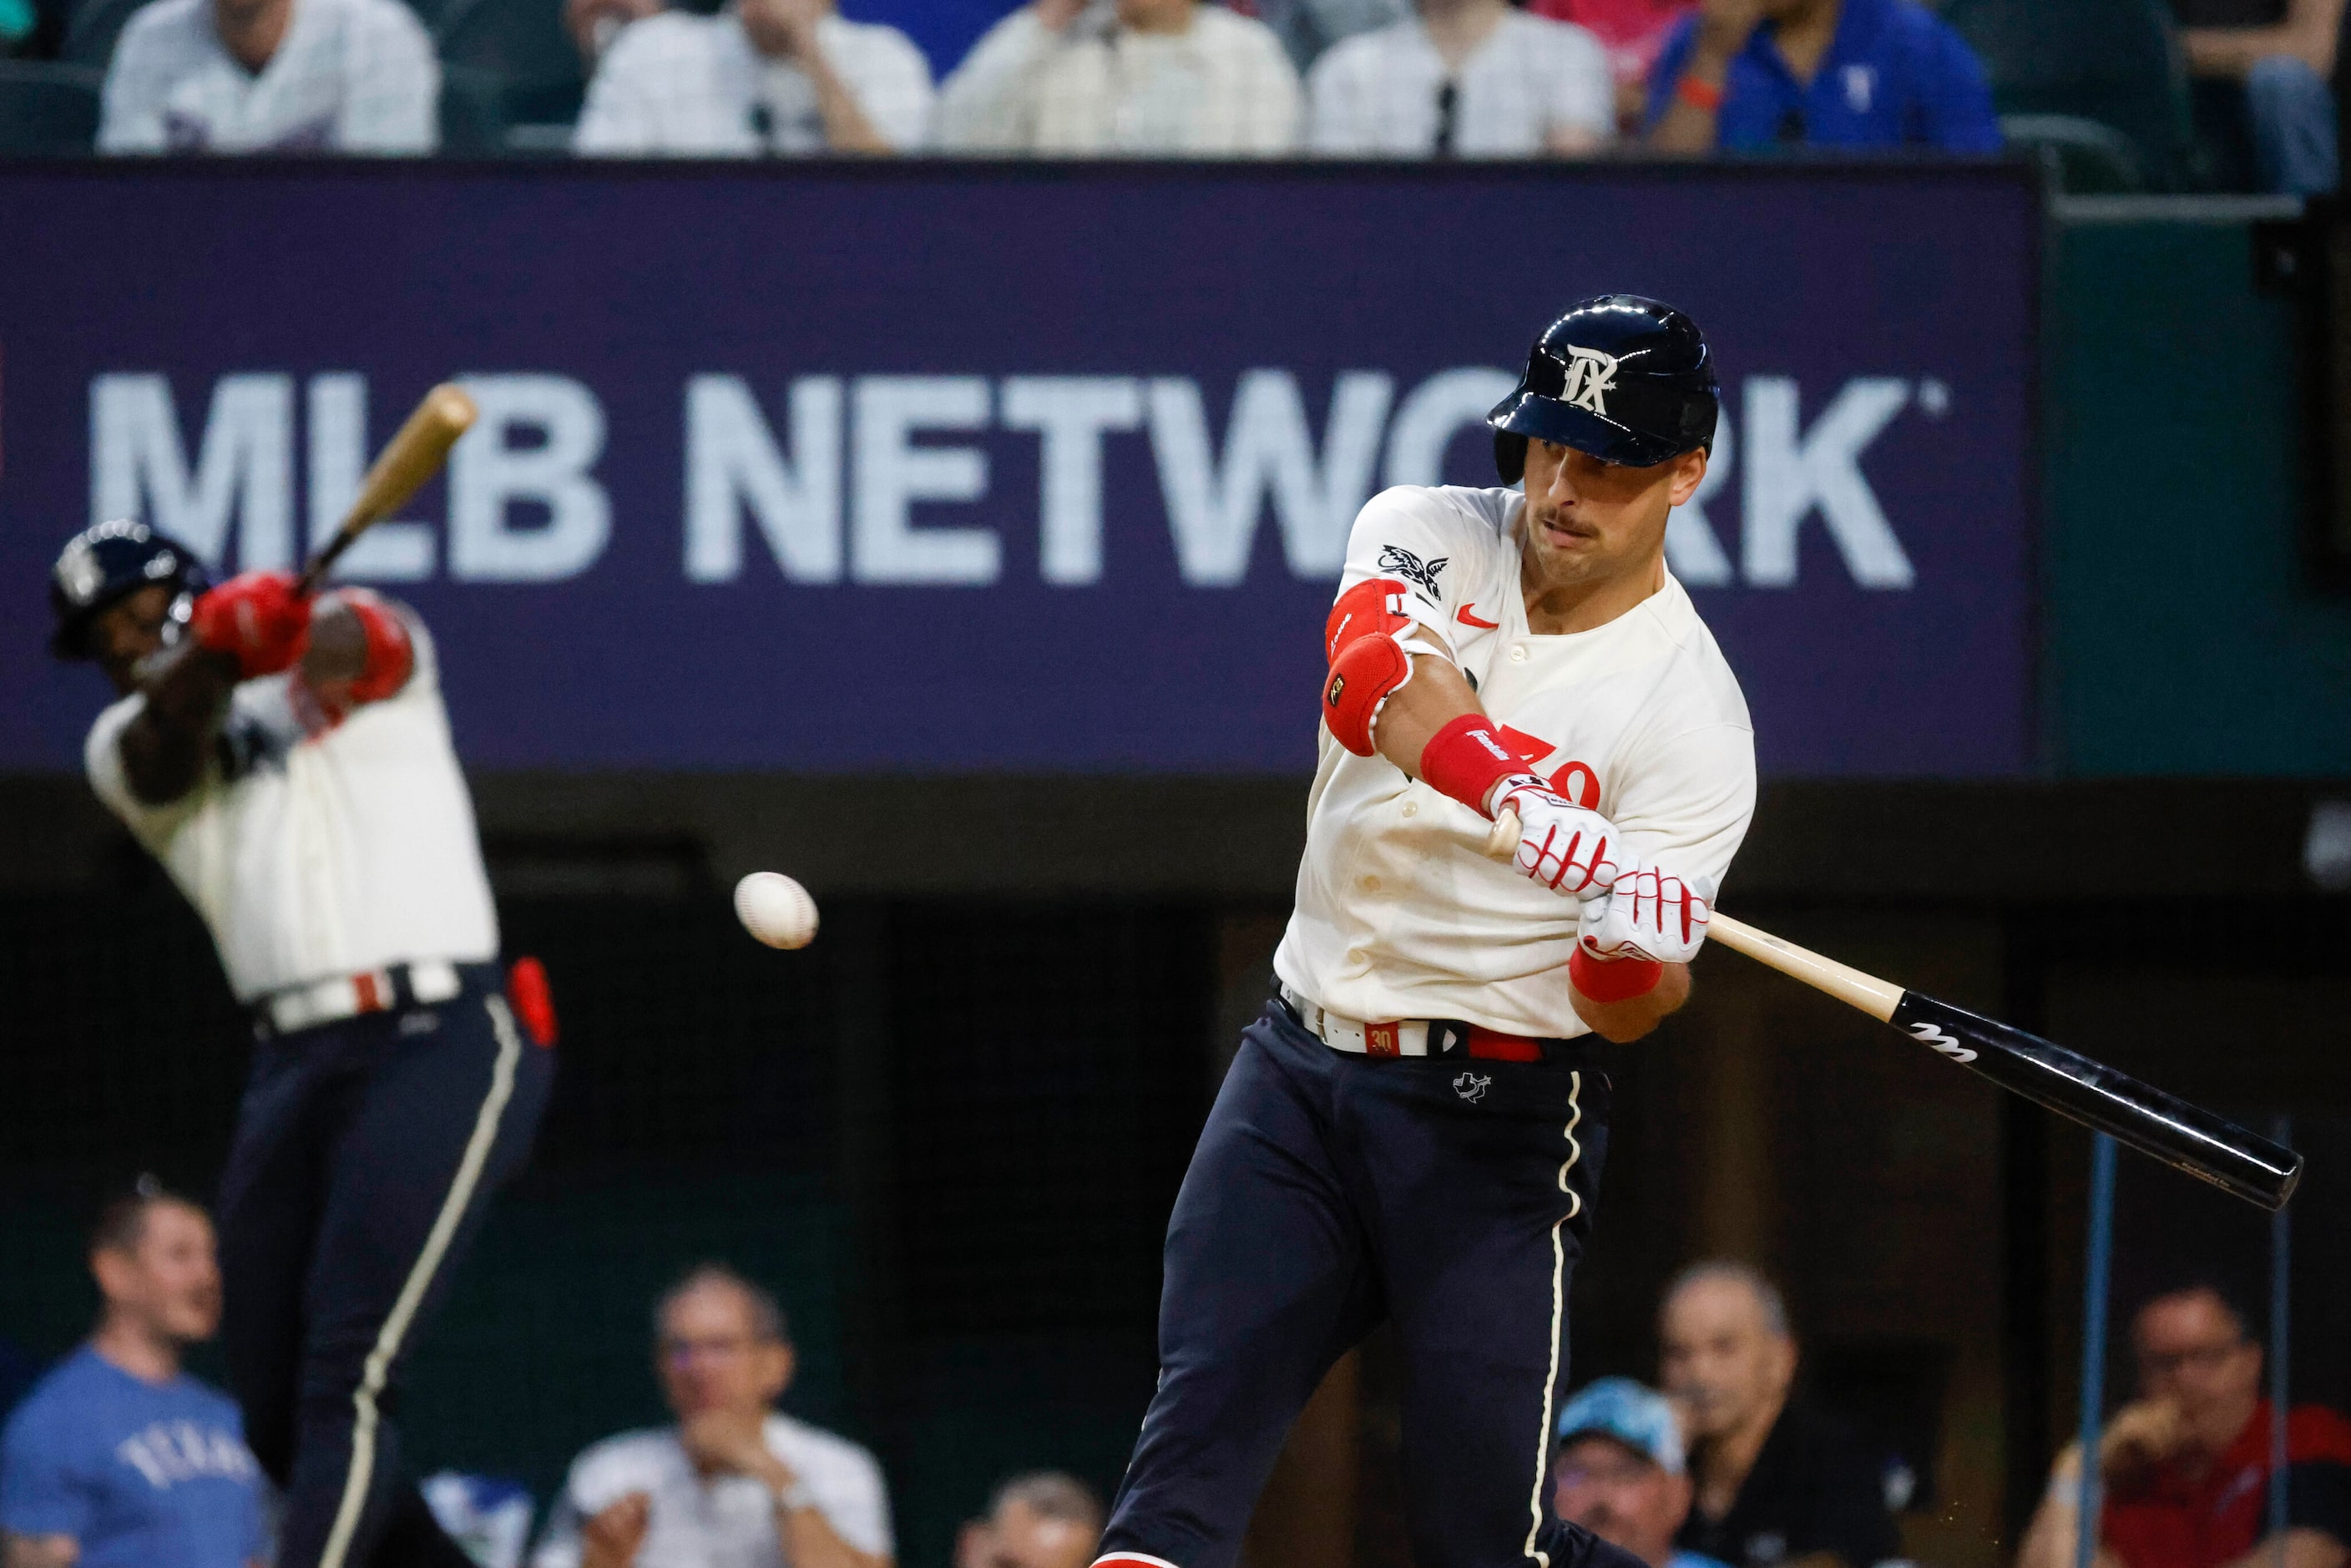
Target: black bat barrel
(2182,1135)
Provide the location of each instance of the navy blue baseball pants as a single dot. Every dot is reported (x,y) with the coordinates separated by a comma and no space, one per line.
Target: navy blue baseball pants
(1331,1191)
(365,1153)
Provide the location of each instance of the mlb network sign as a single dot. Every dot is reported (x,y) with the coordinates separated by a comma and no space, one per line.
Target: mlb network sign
(941,468)
(826,489)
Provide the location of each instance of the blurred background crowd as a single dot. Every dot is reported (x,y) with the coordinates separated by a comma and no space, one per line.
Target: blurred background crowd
(1724,1463)
(2114,94)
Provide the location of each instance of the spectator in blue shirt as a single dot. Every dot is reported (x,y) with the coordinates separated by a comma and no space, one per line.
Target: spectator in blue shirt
(117,1459)
(1747,76)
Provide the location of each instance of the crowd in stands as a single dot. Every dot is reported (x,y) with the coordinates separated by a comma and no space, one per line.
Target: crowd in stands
(1387,79)
(116,1456)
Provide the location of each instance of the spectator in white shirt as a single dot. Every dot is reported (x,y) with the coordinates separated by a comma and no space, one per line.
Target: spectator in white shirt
(1463,79)
(1172,78)
(761,77)
(272,76)
(594,24)
(733,1484)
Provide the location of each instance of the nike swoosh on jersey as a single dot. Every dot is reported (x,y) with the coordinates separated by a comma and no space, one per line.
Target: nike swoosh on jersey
(1466,619)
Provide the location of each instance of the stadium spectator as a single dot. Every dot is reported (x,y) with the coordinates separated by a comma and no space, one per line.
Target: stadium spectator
(1466,78)
(1745,76)
(272,76)
(1620,1471)
(789,76)
(1167,76)
(594,24)
(1307,28)
(2187,1467)
(1632,31)
(2277,56)
(117,1458)
(734,1484)
(1778,1482)
(1042,1520)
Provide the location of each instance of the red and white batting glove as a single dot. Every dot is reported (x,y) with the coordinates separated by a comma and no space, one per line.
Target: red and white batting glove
(257,616)
(1648,913)
(1572,851)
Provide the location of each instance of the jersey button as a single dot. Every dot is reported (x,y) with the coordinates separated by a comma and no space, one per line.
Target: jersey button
(1518,652)
(1370,885)
(1355,955)
(1412,807)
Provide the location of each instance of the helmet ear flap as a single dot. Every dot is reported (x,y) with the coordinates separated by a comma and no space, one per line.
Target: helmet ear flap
(1510,457)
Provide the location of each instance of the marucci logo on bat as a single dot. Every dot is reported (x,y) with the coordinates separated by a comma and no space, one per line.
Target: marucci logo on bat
(1927,1034)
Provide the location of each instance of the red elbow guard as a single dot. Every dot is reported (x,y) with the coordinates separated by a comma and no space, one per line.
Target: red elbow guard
(1613,980)
(390,655)
(1370,608)
(1366,672)
(1465,760)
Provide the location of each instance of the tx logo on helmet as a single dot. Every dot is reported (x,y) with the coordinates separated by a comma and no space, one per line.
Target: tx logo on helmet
(1591,374)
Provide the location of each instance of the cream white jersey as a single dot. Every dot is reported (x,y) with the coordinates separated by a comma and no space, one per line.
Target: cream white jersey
(1400,915)
(314,849)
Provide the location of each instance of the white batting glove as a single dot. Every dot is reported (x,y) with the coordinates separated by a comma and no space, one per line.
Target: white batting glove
(1648,913)
(1574,853)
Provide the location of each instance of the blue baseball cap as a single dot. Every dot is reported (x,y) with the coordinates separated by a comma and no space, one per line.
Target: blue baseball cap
(1633,1414)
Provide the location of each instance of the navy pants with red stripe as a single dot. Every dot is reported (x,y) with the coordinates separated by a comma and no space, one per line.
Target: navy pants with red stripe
(365,1153)
(1332,1191)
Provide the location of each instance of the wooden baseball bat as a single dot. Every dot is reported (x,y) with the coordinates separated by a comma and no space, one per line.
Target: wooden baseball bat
(2184,1136)
(412,456)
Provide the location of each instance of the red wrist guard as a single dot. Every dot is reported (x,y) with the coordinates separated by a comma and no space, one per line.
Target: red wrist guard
(1465,760)
(1613,980)
(1702,95)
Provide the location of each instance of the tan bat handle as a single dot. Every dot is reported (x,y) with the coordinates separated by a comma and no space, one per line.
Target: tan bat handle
(414,456)
(1873,995)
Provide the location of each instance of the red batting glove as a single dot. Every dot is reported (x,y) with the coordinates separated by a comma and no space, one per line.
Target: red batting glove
(257,616)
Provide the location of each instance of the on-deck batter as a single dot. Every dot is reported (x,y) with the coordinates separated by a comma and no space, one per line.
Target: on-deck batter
(289,761)
(1414,1129)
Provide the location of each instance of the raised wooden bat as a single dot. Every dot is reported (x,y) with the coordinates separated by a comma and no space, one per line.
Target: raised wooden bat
(412,456)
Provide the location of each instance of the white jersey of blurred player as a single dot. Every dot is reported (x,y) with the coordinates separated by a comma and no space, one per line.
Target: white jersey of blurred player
(1400,915)
(316,850)
(349,76)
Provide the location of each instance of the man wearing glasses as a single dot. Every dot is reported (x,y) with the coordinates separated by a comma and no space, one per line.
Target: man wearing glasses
(734,1484)
(2187,1467)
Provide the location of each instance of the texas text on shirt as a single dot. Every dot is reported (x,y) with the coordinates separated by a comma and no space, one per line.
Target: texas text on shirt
(681,84)
(138,1474)
(1640,720)
(1222,86)
(1894,75)
(315,848)
(1530,84)
(725,1522)
(350,76)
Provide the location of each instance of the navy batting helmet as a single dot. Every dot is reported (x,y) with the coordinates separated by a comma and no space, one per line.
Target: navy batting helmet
(1627,379)
(103,564)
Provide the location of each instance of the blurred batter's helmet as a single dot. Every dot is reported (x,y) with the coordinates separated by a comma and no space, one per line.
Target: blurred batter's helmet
(104,563)
(1627,379)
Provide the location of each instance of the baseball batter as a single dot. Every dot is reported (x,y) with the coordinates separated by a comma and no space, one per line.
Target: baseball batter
(289,761)
(1414,1129)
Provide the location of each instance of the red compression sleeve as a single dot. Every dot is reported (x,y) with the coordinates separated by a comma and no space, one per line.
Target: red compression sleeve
(1465,760)
(1613,980)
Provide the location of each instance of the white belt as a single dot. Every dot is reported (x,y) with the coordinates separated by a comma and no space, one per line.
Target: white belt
(348,995)
(1408,1037)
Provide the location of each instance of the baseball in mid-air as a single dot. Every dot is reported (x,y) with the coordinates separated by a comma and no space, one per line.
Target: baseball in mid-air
(776,909)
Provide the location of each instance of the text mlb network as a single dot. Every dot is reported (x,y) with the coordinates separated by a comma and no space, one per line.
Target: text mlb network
(823,473)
